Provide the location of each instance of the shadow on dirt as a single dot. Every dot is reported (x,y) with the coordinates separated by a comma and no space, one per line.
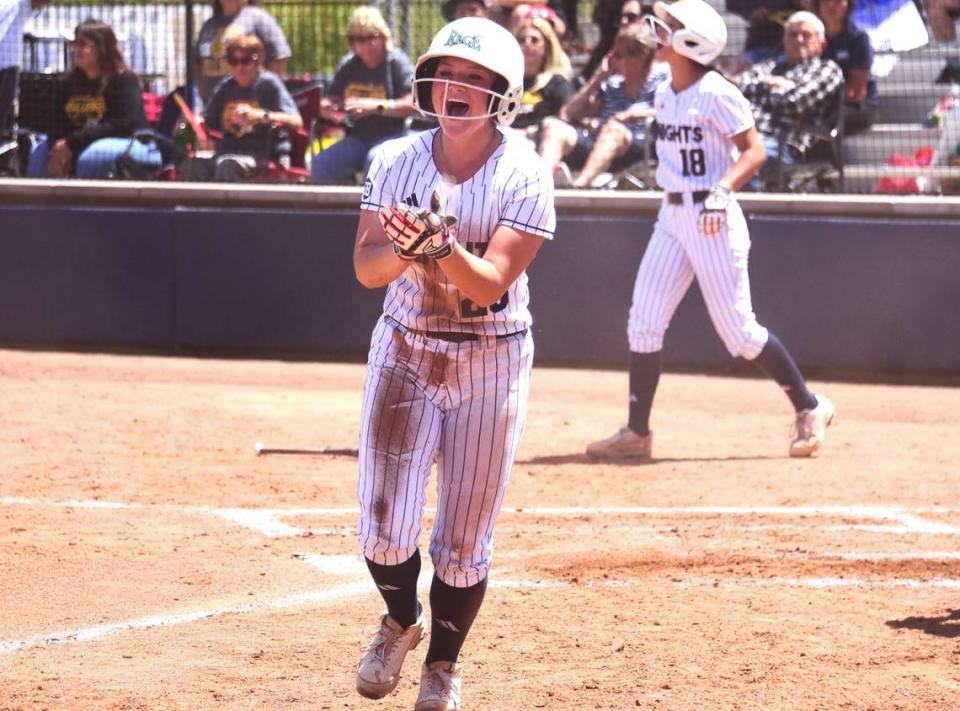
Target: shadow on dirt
(945,626)
(626,461)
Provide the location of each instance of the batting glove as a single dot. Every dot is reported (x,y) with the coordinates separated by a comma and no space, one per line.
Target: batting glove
(417,232)
(714,214)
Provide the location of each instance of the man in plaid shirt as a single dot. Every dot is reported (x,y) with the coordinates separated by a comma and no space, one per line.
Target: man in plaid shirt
(798,87)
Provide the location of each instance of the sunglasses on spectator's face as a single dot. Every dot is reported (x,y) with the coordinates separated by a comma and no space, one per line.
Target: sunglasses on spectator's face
(244,61)
(531,39)
(363,39)
(80,44)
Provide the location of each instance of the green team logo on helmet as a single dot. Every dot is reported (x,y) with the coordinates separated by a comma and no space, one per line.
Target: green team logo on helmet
(471,41)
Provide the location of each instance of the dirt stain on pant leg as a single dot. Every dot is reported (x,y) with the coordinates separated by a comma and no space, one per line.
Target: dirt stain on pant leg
(438,369)
(403,348)
(380,510)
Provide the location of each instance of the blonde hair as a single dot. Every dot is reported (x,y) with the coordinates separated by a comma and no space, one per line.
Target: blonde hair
(555,59)
(367,20)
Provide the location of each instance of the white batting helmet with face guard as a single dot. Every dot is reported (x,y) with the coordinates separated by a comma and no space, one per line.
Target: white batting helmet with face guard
(703,35)
(481,41)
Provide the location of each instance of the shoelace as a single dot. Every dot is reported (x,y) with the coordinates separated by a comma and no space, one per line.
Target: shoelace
(440,683)
(382,643)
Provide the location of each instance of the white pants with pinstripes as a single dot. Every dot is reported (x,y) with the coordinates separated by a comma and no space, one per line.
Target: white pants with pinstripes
(677,253)
(462,406)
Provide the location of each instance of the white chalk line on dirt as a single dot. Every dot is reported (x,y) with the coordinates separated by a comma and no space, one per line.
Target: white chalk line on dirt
(903,555)
(87,634)
(315,597)
(319,597)
(266,520)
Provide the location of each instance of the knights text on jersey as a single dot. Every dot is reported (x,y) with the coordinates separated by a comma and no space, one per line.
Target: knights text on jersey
(513,188)
(693,130)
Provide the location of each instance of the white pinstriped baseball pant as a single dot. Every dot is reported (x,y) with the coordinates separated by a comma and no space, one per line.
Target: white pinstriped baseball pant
(677,253)
(461,405)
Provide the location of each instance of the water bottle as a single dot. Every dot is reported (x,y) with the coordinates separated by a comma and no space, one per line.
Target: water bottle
(185,138)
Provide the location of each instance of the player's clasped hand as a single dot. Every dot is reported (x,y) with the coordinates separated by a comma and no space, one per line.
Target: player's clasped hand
(417,232)
(714,214)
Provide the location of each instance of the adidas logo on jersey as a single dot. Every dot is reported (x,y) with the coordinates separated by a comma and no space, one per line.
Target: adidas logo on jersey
(411,200)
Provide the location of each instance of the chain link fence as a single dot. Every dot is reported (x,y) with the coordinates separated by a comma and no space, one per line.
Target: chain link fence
(917,75)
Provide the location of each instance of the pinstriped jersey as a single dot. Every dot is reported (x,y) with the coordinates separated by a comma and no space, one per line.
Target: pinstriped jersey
(693,132)
(513,188)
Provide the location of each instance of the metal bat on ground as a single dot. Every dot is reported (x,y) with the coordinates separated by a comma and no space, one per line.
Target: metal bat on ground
(261,449)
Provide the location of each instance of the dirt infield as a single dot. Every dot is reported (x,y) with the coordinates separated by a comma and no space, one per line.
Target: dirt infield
(149,560)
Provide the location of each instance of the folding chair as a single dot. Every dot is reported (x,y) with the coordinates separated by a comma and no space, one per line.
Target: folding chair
(302,140)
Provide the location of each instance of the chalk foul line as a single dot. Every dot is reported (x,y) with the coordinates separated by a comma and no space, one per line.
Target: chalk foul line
(320,597)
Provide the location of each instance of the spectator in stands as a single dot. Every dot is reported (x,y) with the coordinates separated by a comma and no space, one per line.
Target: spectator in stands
(849,47)
(790,93)
(103,107)
(520,11)
(455,9)
(611,16)
(13,16)
(605,119)
(546,68)
(942,15)
(248,114)
(372,88)
(233,18)
(765,23)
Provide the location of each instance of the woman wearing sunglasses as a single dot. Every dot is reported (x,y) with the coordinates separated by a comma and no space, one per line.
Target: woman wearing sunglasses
(248,113)
(603,127)
(102,107)
(232,19)
(371,89)
(546,72)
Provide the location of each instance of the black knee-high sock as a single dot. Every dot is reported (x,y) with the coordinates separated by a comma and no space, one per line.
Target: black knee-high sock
(777,362)
(398,586)
(453,611)
(644,377)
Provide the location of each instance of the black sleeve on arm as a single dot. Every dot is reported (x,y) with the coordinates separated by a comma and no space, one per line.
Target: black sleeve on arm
(124,113)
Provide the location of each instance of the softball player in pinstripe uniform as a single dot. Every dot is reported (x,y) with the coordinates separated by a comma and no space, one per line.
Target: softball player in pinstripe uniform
(703,122)
(450,220)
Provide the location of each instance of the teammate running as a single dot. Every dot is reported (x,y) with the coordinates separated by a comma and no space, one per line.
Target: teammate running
(450,219)
(700,230)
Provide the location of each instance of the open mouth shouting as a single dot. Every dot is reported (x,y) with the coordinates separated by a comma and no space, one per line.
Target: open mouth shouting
(456,107)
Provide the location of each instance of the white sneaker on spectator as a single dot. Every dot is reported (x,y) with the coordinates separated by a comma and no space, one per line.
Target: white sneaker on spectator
(439,687)
(810,428)
(379,670)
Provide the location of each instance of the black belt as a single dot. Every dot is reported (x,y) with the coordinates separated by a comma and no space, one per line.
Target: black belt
(458,337)
(677,198)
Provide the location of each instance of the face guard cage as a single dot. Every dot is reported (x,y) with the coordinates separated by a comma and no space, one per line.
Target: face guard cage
(661,30)
(427,82)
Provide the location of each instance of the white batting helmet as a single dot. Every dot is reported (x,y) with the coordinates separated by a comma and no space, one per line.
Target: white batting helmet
(488,44)
(704,34)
